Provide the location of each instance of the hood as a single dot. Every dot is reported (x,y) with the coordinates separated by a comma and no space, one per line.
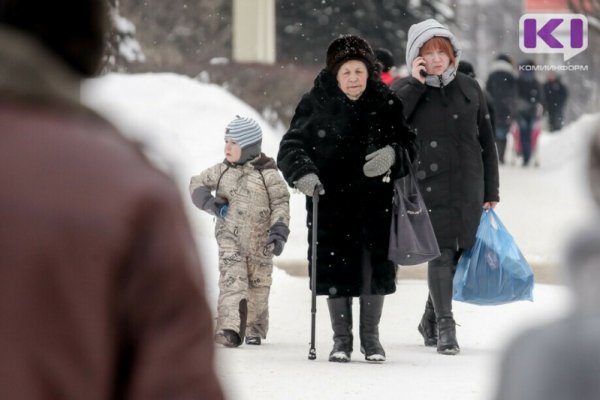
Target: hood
(420,33)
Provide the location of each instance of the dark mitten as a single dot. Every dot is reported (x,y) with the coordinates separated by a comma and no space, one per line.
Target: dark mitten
(277,237)
(204,200)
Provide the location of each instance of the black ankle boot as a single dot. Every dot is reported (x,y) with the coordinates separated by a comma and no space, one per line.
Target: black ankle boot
(447,343)
(428,327)
(340,312)
(370,315)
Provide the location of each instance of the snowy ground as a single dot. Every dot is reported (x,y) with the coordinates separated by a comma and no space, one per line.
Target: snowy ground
(182,123)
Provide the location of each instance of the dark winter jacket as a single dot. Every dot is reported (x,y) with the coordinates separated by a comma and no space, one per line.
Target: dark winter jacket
(502,86)
(529,95)
(101,293)
(330,135)
(458,164)
(555,96)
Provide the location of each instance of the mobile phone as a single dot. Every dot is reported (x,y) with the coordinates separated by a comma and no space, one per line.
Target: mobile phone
(423,73)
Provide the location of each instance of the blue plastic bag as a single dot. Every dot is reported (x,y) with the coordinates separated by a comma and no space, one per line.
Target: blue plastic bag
(494,270)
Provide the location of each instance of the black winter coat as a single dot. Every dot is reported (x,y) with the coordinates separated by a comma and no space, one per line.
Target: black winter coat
(530,95)
(502,86)
(330,135)
(555,96)
(458,164)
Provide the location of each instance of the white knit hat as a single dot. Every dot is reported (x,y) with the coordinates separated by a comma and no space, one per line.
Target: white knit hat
(420,33)
(244,131)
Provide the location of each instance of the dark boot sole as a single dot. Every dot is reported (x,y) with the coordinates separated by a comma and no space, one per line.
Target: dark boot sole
(449,351)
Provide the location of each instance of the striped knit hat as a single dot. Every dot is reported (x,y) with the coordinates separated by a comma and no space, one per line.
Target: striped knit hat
(419,33)
(244,131)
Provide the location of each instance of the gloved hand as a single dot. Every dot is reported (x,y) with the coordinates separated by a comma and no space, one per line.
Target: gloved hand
(204,200)
(277,237)
(217,206)
(308,183)
(379,161)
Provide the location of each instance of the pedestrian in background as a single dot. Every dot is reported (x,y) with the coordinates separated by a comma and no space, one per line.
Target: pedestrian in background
(458,163)
(386,59)
(529,104)
(347,134)
(101,288)
(555,97)
(502,87)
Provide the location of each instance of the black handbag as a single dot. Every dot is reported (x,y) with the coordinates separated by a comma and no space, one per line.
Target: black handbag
(412,239)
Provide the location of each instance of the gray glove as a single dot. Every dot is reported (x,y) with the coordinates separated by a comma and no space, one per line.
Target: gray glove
(277,237)
(379,161)
(204,200)
(308,183)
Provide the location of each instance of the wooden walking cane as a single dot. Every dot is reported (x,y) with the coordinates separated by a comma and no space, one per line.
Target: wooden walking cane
(312,353)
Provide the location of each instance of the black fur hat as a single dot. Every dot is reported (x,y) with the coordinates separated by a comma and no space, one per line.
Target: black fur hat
(350,47)
(77,36)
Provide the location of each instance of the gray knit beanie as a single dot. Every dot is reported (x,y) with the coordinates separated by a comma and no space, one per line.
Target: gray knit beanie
(244,131)
(420,33)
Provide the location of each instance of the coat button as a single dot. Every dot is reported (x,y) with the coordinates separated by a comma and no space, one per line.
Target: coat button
(433,144)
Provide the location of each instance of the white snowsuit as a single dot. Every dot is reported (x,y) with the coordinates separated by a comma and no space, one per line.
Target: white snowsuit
(258,198)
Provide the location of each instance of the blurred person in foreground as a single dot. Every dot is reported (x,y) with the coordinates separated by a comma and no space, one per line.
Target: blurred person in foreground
(561,359)
(101,293)
(348,135)
(458,164)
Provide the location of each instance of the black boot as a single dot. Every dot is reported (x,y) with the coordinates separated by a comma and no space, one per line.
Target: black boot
(229,337)
(447,343)
(428,325)
(439,276)
(370,315)
(340,311)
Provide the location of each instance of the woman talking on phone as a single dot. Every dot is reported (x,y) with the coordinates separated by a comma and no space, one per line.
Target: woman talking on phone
(458,164)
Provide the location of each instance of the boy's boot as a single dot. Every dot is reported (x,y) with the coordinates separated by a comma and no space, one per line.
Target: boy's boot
(340,312)
(370,315)
(428,325)
(440,287)
(229,337)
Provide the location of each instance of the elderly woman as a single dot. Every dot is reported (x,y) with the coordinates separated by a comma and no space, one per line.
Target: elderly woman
(346,135)
(458,164)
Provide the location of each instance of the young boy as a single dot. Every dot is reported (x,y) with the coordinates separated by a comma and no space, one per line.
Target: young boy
(251,204)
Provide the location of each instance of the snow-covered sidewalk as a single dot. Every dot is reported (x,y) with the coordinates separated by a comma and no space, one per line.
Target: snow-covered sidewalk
(280,369)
